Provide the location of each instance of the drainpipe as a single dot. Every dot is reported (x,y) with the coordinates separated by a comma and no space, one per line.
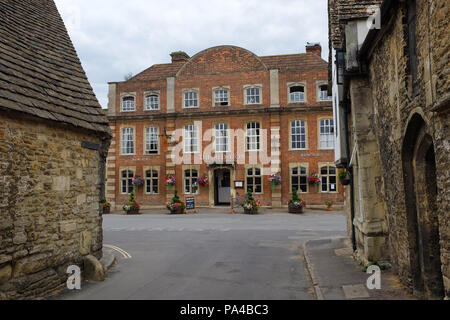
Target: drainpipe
(350,171)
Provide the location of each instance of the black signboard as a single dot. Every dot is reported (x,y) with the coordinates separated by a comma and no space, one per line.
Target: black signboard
(190,203)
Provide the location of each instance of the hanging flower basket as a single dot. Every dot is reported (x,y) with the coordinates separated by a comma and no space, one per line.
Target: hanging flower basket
(344,177)
(170,180)
(275,180)
(203,181)
(314,179)
(137,181)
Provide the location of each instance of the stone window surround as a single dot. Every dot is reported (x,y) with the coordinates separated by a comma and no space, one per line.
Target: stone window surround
(186,90)
(214,89)
(295,84)
(248,166)
(251,86)
(154,168)
(190,167)
(301,118)
(122,126)
(121,169)
(328,164)
(151,93)
(296,165)
(145,140)
(319,147)
(318,84)
(126,95)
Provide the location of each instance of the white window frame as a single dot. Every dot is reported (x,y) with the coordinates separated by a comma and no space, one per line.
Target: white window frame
(294,125)
(150,181)
(326,134)
(126,137)
(247,96)
(193,185)
(326,177)
(253,136)
(190,137)
(221,137)
(302,94)
(221,95)
(126,105)
(128,180)
(151,104)
(320,96)
(254,176)
(151,139)
(190,93)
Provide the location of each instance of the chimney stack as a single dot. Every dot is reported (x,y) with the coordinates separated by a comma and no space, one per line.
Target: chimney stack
(315,48)
(179,56)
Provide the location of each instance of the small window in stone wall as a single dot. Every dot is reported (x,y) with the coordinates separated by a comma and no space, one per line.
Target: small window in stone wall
(323,93)
(221,98)
(128,104)
(254,180)
(127,181)
(152,102)
(328,179)
(253,95)
(190,181)
(297,94)
(191,99)
(327,134)
(127,141)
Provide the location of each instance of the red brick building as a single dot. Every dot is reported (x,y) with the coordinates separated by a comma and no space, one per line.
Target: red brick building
(228,115)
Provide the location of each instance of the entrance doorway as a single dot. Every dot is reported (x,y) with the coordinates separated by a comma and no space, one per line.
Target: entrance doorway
(419,172)
(222,187)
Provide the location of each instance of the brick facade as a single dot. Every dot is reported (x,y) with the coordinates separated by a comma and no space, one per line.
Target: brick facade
(233,69)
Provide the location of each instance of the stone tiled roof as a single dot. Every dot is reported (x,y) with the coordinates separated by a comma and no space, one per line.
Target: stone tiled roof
(289,62)
(40,72)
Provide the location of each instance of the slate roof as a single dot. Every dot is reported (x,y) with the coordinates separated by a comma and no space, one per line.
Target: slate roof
(40,72)
(289,62)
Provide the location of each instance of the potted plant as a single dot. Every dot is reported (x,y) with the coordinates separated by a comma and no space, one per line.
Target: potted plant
(203,181)
(106,207)
(137,182)
(344,177)
(132,207)
(329,205)
(296,205)
(176,206)
(170,180)
(274,180)
(250,205)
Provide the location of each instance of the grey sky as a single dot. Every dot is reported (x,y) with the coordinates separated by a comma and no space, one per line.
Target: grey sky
(115,37)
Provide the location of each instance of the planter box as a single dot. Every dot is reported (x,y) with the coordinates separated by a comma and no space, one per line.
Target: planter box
(296,210)
(345,181)
(177,211)
(250,211)
(133,211)
(106,210)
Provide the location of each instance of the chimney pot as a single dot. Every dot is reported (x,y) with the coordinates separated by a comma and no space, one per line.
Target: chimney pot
(315,48)
(179,56)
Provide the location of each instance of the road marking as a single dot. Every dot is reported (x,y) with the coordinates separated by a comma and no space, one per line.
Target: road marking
(125,254)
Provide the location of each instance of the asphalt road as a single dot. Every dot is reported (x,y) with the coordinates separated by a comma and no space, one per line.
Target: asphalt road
(210,256)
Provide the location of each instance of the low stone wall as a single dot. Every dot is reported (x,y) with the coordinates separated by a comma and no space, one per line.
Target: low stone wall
(49,206)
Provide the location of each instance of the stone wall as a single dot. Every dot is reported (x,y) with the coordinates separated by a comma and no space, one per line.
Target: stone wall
(49,206)
(394,105)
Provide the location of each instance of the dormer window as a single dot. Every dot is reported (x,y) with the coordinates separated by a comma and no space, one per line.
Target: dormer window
(296,93)
(323,93)
(128,104)
(221,97)
(152,101)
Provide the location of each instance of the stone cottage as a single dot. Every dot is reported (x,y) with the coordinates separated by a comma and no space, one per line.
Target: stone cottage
(390,64)
(54,139)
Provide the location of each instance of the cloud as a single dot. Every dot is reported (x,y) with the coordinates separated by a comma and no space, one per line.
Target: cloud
(115,37)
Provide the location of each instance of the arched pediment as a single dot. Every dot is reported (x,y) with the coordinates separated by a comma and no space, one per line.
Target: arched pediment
(222,59)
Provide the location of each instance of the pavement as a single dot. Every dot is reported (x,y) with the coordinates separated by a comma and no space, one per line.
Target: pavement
(222,256)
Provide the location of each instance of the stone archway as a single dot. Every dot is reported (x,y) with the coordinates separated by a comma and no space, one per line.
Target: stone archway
(419,174)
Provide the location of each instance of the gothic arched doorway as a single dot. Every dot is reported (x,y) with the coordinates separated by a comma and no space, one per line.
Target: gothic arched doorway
(419,174)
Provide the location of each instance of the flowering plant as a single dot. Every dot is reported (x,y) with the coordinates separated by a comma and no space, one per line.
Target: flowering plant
(203,181)
(274,180)
(170,180)
(314,179)
(296,200)
(106,204)
(131,204)
(176,203)
(137,181)
(250,203)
